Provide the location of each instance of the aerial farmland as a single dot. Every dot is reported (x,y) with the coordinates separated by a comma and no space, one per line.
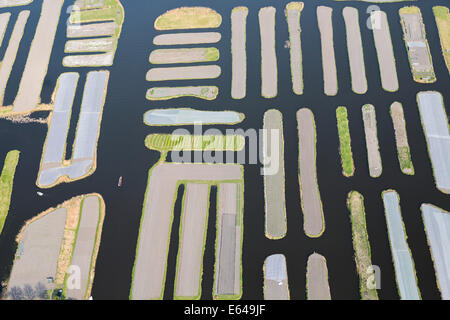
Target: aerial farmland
(217,152)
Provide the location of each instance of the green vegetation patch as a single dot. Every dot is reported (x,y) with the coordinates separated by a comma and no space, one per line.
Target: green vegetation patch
(171,142)
(345,148)
(188,18)
(6,184)
(442,16)
(361,244)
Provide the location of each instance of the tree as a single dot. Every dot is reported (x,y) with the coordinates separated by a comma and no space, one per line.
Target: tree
(41,291)
(16,293)
(29,292)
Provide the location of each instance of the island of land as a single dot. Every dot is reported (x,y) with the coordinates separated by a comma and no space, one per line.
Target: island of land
(6,184)
(276,285)
(442,16)
(313,217)
(238,52)
(416,42)
(274,182)
(401,139)
(187,116)
(269,69)
(293,12)
(361,244)
(173,39)
(405,272)
(373,148)
(188,18)
(437,228)
(345,148)
(317,286)
(55,246)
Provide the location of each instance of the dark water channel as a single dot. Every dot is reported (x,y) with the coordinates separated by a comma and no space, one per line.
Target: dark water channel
(121,150)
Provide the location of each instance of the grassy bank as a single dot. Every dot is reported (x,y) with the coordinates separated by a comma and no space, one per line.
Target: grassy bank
(345,148)
(6,184)
(361,244)
(168,142)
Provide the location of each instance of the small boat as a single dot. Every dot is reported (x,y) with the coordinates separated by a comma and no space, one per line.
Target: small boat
(119,184)
(40,194)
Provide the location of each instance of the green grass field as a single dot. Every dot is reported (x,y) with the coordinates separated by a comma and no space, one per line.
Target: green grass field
(345,147)
(6,184)
(442,17)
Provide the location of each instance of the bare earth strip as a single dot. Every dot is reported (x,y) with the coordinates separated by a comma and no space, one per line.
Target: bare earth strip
(361,244)
(228,274)
(269,71)
(355,50)
(186,38)
(276,285)
(385,51)
(29,94)
(53,169)
(183,55)
(151,253)
(91,60)
(11,51)
(313,218)
(192,241)
(401,139)
(373,148)
(91,30)
(87,237)
(324,18)
(436,129)
(167,93)
(183,73)
(405,272)
(274,187)
(13,3)
(186,116)
(437,228)
(38,251)
(4,19)
(293,12)
(317,278)
(238,52)
(89,45)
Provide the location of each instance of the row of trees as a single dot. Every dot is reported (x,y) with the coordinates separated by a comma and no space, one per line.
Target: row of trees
(39,292)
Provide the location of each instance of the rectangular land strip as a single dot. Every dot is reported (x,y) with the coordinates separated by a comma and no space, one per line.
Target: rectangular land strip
(324,18)
(313,217)
(6,184)
(274,184)
(355,50)
(345,148)
(89,60)
(83,162)
(238,52)
(227,275)
(87,239)
(361,244)
(317,278)
(373,148)
(405,272)
(183,55)
(167,93)
(91,30)
(401,139)
(13,3)
(293,13)
(29,94)
(173,39)
(192,241)
(11,51)
(276,286)
(417,45)
(38,251)
(436,129)
(385,51)
(89,45)
(437,228)
(175,117)
(149,270)
(269,69)
(4,19)
(442,16)
(183,73)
